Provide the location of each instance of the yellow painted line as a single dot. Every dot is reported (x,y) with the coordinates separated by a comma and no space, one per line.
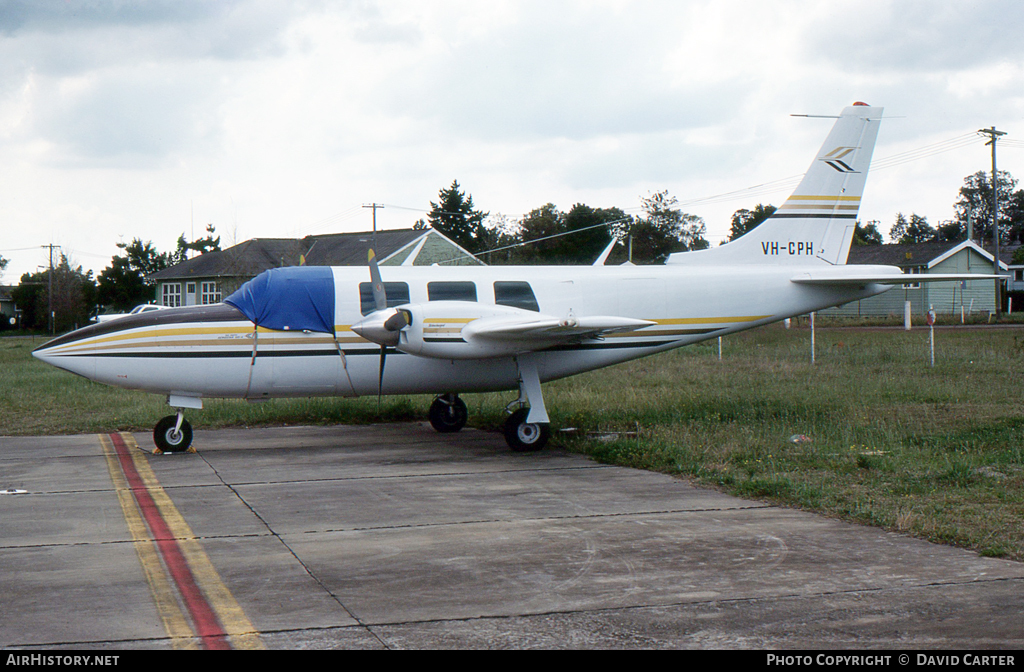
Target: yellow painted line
(236,624)
(175,624)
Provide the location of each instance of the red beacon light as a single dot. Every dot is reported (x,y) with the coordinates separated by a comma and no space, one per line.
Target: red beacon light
(860,104)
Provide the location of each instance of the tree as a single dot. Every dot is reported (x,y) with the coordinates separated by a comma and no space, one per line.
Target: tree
(124,284)
(951,231)
(867,234)
(744,221)
(916,230)
(663,230)
(202,245)
(455,217)
(73,298)
(574,237)
(3,265)
(975,203)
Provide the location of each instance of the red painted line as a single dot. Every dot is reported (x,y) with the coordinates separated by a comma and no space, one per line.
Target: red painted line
(207,624)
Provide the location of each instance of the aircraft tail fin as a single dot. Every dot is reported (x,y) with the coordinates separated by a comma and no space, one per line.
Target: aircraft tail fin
(818,220)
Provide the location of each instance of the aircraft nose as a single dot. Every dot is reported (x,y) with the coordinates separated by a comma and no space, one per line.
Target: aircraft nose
(71,351)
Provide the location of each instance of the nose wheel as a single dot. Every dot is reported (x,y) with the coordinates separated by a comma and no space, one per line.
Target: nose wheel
(173,434)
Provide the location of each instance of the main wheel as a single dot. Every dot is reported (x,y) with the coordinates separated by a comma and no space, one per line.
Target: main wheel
(524,437)
(448,414)
(169,441)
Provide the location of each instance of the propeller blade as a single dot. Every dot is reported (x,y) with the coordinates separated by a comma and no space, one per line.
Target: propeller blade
(380,379)
(400,320)
(380,299)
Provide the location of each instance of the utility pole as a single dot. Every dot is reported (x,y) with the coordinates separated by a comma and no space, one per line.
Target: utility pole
(375,207)
(49,292)
(993,135)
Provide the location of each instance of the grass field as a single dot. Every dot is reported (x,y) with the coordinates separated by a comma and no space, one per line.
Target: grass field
(889,441)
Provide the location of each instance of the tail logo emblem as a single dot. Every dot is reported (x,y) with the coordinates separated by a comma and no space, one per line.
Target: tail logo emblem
(835,159)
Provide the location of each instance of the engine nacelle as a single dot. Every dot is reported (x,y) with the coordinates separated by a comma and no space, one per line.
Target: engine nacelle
(459,330)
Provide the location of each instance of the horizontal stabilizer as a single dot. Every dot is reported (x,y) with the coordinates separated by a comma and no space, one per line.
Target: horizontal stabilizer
(883,276)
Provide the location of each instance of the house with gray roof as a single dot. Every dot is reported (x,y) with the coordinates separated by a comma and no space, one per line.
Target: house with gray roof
(210,277)
(944,297)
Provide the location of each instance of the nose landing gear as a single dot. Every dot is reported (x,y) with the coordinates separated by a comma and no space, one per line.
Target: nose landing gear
(173,434)
(448,413)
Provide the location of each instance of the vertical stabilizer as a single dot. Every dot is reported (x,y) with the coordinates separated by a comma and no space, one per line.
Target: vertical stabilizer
(817,222)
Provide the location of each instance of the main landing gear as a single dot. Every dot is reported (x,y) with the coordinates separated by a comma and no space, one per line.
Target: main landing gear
(525,437)
(448,414)
(527,428)
(173,434)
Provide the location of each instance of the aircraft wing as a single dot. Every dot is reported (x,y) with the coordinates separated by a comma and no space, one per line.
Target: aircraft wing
(548,329)
(836,278)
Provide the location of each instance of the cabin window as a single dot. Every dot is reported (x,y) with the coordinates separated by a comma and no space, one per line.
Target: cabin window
(397,293)
(515,295)
(451,291)
(172,294)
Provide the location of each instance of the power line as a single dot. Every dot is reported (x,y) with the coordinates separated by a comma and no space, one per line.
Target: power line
(781,185)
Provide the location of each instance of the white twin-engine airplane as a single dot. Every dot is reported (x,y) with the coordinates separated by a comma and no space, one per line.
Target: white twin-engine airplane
(312,331)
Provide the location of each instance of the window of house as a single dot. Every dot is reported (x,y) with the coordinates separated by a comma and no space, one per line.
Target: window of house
(172,294)
(916,269)
(515,295)
(210,293)
(397,293)
(451,291)
(1018,275)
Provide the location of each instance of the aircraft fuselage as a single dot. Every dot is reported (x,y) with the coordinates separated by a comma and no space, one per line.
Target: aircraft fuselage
(216,352)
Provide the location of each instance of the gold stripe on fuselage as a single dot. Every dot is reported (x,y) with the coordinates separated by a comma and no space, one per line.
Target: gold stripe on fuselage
(824,198)
(274,338)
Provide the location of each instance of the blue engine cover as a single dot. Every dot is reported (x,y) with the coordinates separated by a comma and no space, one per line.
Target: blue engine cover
(289,299)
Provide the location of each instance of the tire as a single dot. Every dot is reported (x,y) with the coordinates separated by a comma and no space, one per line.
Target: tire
(524,437)
(165,438)
(448,416)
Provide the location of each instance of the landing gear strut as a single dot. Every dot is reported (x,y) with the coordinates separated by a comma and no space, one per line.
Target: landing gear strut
(527,429)
(173,434)
(448,413)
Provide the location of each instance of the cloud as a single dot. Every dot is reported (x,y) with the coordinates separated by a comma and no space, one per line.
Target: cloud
(272,114)
(918,36)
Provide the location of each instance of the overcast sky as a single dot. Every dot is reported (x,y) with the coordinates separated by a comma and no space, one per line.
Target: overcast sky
(279,119)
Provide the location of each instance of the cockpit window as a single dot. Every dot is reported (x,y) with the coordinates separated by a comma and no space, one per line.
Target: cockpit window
(451,291)
(397,293)
(515,295)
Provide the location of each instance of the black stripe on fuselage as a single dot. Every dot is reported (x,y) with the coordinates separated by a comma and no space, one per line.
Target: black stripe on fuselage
(212,354)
